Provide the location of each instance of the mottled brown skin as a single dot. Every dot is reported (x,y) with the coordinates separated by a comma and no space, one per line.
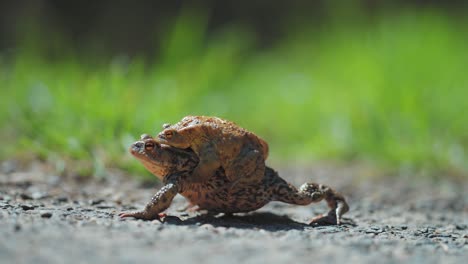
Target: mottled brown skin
(174,167)
(219,143)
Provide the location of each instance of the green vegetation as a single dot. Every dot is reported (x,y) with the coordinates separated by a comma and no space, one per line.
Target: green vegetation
(392,92)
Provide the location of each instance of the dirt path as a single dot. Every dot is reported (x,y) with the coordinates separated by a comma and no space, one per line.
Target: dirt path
(50,219)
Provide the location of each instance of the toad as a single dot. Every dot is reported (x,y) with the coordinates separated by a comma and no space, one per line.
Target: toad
(175,167)
(219,143)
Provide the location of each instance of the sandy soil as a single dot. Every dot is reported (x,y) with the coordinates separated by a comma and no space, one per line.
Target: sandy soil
(45,218)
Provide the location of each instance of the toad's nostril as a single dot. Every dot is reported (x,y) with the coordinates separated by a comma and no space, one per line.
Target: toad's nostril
(138,144)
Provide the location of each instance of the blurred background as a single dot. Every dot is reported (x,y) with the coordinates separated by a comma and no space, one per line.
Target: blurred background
(382,83)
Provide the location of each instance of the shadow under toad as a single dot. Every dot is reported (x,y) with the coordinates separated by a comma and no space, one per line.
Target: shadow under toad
(255,220)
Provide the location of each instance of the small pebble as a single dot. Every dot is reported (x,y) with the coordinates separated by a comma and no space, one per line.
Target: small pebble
(26,196)
(96,201)
(5,205)
(27,207)
(62,199)
(424,230)
(6,198)
(105,206)
(46,215)
(39,195)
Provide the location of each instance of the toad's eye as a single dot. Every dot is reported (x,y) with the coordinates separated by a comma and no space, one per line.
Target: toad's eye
(149,145)
(168,134)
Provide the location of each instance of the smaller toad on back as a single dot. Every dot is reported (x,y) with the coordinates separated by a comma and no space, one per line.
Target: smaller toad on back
(219,143)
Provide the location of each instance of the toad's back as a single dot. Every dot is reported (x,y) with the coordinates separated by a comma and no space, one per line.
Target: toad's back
(221,131)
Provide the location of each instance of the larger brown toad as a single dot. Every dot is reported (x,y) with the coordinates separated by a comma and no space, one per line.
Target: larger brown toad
(219,143)
(175,166)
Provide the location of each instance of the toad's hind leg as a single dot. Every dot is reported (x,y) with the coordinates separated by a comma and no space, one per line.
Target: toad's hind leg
(248,167)
(312,193)
(207,166)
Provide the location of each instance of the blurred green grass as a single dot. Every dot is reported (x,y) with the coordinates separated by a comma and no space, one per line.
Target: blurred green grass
(392,92)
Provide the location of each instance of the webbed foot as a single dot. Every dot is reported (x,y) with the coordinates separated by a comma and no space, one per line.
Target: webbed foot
(334,216)
(143,215)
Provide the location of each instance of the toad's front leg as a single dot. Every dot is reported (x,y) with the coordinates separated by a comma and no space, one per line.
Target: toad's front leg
(160,202)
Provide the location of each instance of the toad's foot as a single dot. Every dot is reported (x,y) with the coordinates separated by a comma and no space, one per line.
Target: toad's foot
(333,217)
(336,202)
(143,215)
(160,202)
(312,193)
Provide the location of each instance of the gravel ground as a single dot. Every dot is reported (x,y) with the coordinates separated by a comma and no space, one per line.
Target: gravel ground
(49,219)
